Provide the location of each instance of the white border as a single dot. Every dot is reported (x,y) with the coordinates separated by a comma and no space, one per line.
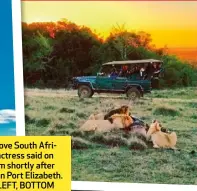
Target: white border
(112,186)
(18,67)
(20,121)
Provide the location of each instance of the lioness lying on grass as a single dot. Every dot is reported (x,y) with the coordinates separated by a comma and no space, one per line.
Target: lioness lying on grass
(98,116)
(159,138)
(117,121)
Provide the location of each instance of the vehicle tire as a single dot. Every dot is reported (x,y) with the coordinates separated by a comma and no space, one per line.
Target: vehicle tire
(133,93)
(85,91)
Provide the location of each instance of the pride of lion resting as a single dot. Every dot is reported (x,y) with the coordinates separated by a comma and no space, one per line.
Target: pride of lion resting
(101,119)
(116,121)
(159,138)
(120,119)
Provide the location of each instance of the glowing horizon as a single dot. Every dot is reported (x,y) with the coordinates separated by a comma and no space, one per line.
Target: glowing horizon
(169,23)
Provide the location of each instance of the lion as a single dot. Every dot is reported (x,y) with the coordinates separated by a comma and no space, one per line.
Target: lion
(98,116)
(117,121)
(159,138)
(122,110)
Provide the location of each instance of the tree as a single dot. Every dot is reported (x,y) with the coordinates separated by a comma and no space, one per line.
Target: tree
(124,44)
(36,48)
(74,55)
(57,51)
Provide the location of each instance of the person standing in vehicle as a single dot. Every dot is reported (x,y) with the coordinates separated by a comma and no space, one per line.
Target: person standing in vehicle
(114,73)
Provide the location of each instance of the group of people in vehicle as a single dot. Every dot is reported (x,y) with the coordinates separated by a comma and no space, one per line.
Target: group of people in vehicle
(145,71)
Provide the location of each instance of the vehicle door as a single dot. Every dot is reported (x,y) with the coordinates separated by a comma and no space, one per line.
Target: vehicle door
(121,81)
(103,79)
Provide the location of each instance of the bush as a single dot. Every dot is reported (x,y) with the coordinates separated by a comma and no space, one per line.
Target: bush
(136,144)
(166,110)
(177,73)
(28,120)
(66,110)
(115,140)
(79,143)
(42,122)
(77,133)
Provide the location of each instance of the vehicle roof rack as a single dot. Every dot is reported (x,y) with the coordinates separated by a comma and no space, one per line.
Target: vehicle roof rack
(132,62)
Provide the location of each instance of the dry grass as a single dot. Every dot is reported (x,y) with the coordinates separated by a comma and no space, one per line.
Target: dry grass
(120,156)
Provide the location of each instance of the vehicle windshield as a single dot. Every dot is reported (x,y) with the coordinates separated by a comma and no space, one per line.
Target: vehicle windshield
(140,71)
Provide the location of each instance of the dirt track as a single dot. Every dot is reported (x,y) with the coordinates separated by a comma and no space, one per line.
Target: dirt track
(73,93)
(61,93)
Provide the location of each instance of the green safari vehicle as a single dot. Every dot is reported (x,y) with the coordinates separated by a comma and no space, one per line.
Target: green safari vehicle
(131,77)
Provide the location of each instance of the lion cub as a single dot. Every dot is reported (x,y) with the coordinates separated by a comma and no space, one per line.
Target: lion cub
(159,138)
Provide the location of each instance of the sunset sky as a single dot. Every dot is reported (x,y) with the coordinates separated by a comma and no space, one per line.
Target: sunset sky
(169,23)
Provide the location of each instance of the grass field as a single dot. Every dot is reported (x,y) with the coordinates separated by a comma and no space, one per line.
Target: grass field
(119,156)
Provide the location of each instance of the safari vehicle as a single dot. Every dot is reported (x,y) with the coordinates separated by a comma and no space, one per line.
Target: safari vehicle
(132,77)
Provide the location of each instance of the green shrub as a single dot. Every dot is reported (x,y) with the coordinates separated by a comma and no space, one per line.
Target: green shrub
(166,111)
(66,110)
(136,144)
(115,140)
(42,122)
(79,143)
(28,120)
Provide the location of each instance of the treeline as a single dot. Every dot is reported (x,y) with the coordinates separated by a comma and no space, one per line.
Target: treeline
(55,52)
